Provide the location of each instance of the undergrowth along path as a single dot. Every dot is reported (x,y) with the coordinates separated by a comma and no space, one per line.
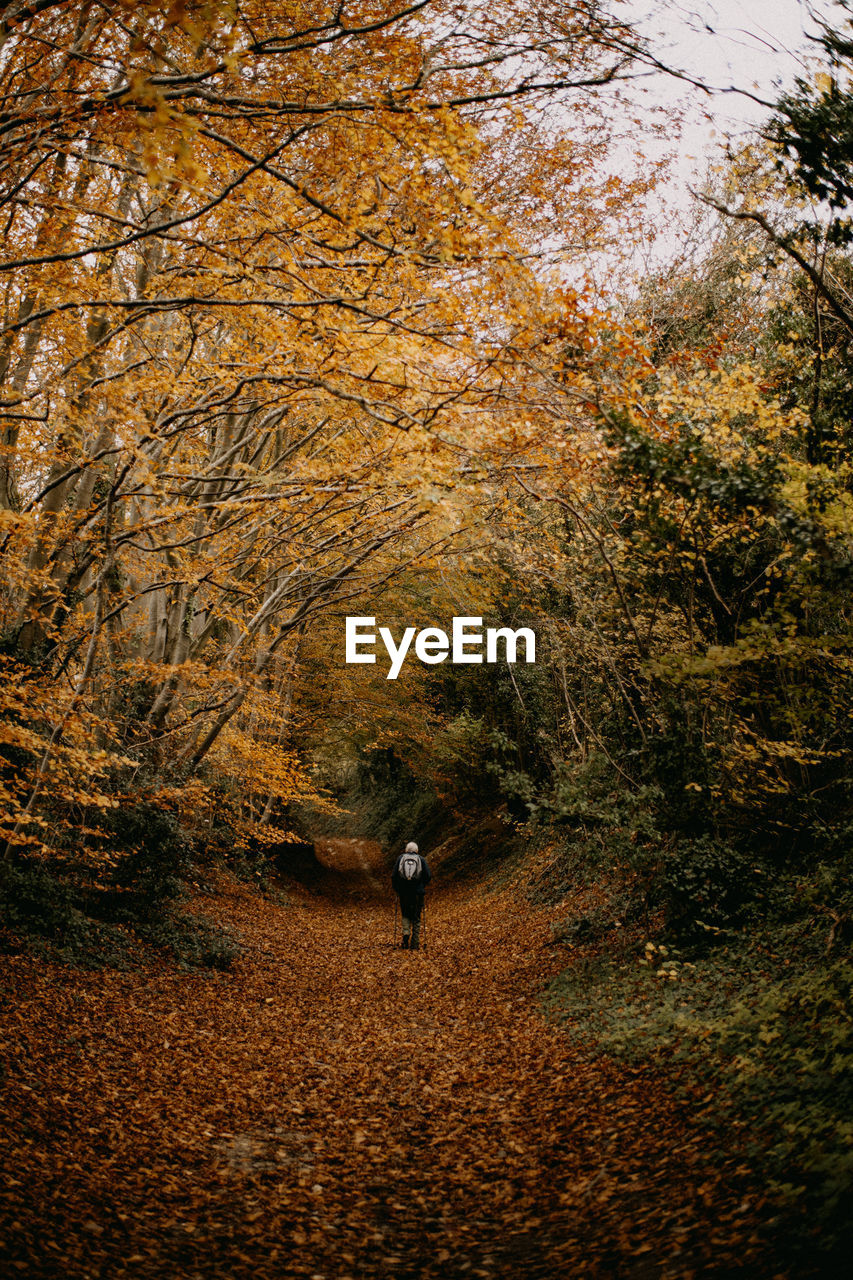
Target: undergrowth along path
(335,1108)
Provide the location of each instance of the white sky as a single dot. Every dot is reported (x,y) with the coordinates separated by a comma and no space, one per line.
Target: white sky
(756,46)
(752,45)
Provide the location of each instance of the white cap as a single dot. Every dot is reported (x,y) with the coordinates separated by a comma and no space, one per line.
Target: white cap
(411,847)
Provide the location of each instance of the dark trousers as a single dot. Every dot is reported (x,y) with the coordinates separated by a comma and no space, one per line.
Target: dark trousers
(411,906)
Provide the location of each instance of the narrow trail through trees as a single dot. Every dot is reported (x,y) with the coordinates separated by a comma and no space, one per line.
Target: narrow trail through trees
(333,1107)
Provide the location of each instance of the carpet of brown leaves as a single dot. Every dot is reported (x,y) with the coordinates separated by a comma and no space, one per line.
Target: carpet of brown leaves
(334,1108)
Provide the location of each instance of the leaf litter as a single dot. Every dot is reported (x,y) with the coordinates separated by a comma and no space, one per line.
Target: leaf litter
(336,1108)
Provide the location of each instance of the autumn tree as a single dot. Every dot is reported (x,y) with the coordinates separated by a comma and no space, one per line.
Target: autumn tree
(266,271)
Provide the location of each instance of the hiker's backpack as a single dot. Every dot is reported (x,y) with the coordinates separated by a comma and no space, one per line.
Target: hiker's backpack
(410,866)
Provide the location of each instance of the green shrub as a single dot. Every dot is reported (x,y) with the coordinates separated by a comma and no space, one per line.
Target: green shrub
(158,856)
(46,907)
(767,1023)
(83,912)
(706,888)
(194,942)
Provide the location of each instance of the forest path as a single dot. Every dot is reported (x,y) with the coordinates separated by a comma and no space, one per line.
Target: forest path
(333,1108)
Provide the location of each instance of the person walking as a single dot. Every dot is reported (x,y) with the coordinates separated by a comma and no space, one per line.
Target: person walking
(410,877)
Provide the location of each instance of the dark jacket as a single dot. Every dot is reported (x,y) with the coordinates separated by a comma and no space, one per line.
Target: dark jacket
(407,889)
